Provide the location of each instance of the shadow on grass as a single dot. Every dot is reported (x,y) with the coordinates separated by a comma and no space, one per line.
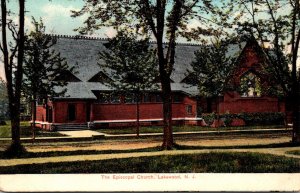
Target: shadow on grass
(225,162)
(295,152)
(150,149)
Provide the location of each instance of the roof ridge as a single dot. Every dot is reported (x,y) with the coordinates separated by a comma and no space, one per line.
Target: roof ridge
(106,39)
(77,37)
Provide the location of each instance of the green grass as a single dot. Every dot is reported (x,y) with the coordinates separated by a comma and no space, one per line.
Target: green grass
(150,149)
(159,129)
(195,163)
(25,130)
(295,152)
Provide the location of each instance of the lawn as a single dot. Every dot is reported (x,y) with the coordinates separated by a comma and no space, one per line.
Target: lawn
(26,131)
(148,149)
(296,152)
(184,128)
(195,163)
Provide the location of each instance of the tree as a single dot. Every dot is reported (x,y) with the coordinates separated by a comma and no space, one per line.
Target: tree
(165,20)
(3,101)
(211,70)
(132,66)
(13,54)
(275,22)
(42,67)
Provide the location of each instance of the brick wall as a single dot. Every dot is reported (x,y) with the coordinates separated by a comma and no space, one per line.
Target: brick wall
(61,112)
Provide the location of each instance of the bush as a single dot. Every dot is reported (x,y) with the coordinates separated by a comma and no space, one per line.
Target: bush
(251,119)
(2,122)
(228,118)
(266,118)
(209,118)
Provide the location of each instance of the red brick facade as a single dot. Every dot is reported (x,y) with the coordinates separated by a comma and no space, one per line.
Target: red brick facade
(87,111)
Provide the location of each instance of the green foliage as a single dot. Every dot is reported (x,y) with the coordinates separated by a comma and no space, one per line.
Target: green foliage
(251,119)
(209,118)
(227,118)
(212,68)
(256,119)
(186,128)
(266,118)
(43,66)
(131,63)
(25,131)
(195,163)
(273,24)
(295,152)
(3,101)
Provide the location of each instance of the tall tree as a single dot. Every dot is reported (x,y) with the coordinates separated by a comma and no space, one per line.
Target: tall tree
(3,100)
(277,23)
(132,66)
(43,67)
(13,55)
(165,20)
(211,69)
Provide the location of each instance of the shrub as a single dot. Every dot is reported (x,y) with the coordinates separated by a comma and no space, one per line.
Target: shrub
(265,118)
(209,118)
(251,119)
(227,118)
(2,122)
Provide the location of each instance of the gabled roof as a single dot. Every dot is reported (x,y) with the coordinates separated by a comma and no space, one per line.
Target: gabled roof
(67,76)
(82,54)
(100,77)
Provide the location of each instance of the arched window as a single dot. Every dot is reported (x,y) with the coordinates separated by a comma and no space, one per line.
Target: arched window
(250,85)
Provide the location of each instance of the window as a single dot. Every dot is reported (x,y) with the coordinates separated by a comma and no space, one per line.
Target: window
(108,98)
(151,98)
(189,109)
(115,99)
(72,112)
(158,98)
(130,98)
(250,85)
(103,98)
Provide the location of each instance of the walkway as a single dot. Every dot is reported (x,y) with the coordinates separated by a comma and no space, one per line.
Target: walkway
(81,133)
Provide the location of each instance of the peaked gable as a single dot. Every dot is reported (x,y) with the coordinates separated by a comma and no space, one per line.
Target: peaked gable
(67,76)
(100,77)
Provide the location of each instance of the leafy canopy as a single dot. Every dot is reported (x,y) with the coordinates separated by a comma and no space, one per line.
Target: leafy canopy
(43,65)
(212,68)
(131,63)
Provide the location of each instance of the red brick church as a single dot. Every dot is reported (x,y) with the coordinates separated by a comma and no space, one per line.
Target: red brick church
(83,104)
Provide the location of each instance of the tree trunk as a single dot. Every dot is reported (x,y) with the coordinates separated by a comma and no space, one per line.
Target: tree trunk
(296,114)
(137,115)
(33,117)
(15,125)
(218,113)
(168,142)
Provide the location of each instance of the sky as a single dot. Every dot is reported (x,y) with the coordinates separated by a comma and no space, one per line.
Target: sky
(56,17)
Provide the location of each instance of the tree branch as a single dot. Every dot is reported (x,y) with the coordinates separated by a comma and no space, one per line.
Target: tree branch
(148,16)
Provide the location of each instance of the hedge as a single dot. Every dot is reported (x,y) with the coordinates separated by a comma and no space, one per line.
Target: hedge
(251,119)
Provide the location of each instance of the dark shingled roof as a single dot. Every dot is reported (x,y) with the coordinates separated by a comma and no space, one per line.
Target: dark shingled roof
(82,53)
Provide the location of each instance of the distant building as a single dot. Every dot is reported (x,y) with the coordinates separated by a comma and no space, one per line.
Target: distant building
(84,102)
